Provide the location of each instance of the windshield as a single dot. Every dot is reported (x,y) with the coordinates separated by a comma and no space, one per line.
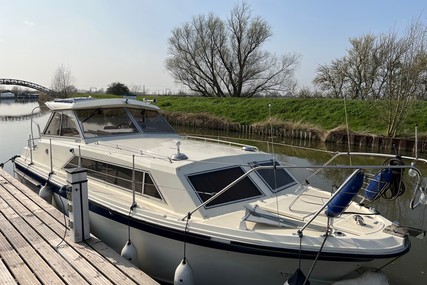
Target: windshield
(151,121)
(121,121)
(105,122)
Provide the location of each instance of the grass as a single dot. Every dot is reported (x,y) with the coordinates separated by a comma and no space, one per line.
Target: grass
(321,114)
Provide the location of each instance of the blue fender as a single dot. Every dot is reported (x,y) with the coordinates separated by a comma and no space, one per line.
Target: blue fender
(378,184)
(340,202)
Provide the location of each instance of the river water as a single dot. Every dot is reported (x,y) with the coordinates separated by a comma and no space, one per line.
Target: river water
(411,269)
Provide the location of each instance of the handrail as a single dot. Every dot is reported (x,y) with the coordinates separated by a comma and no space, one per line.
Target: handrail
(31,138)
(33,122)
(226,188)
(338,154)
(157,155)
(417,188)
(135,150)
(230,143)
(327,202)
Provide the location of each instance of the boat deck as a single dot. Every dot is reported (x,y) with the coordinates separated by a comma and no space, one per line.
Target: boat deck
(35,247)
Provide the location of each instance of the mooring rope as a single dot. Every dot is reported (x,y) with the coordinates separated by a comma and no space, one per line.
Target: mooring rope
(67,188)
(328,229)
(185,236)
(10,159)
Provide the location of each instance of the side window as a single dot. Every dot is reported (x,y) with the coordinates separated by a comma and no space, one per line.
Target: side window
(149,188)
(117,175)
(68,126)
(54,125)
(207,184)
(62,124)
(276,179)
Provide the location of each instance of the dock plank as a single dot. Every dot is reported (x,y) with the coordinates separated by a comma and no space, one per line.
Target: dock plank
(44,241)
(15,265)
(6,277)
(132,272)
(120,270)
(38,266)
(24,214)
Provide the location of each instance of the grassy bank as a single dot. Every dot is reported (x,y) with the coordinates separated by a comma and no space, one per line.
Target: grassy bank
(319,114)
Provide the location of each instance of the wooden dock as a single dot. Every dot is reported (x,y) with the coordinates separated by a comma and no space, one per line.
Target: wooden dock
(35,247)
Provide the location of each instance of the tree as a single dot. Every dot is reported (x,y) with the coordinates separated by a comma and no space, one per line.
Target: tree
(62,80)
(331,79)
(117,88)
(135,88)
(213,57)
(387,68)
(405,75)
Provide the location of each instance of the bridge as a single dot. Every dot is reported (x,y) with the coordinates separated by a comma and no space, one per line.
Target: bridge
(7,81)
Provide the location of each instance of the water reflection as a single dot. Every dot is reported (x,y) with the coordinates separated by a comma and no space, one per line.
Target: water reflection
(15,118)
(20,110)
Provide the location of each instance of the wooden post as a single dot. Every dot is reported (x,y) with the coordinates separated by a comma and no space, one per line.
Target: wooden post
(78,204)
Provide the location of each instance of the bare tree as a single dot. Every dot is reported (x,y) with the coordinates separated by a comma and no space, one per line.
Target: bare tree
(220,58)
(331,79)
(387,68)
(404,75)
(62,80)
(135,88)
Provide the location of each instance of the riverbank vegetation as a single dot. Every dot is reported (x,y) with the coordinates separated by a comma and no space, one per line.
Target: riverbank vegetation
(307,114)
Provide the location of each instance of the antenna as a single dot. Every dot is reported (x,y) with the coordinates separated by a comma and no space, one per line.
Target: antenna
(411,171)
(274,162)
(346,123)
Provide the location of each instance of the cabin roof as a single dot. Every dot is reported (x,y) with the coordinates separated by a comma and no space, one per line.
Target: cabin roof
(89,103)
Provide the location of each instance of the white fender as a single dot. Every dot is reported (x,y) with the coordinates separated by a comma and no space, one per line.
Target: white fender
(183,274)
(367,278)
(46,193)
(129,252)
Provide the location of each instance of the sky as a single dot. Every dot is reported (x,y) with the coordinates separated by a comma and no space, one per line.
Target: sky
(106,41)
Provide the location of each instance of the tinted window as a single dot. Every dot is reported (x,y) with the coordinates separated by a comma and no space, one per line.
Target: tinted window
(118,175)
(276,179)
(149,187)
(207,184)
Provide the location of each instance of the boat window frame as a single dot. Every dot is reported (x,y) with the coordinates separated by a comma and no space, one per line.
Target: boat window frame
(106,178)
(232,201)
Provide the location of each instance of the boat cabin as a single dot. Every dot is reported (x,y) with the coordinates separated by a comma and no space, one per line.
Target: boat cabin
(81,119)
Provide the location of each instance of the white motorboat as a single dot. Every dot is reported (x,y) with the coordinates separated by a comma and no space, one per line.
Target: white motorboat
(235,214)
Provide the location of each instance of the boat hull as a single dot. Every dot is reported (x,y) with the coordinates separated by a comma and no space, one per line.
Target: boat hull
(160,250)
